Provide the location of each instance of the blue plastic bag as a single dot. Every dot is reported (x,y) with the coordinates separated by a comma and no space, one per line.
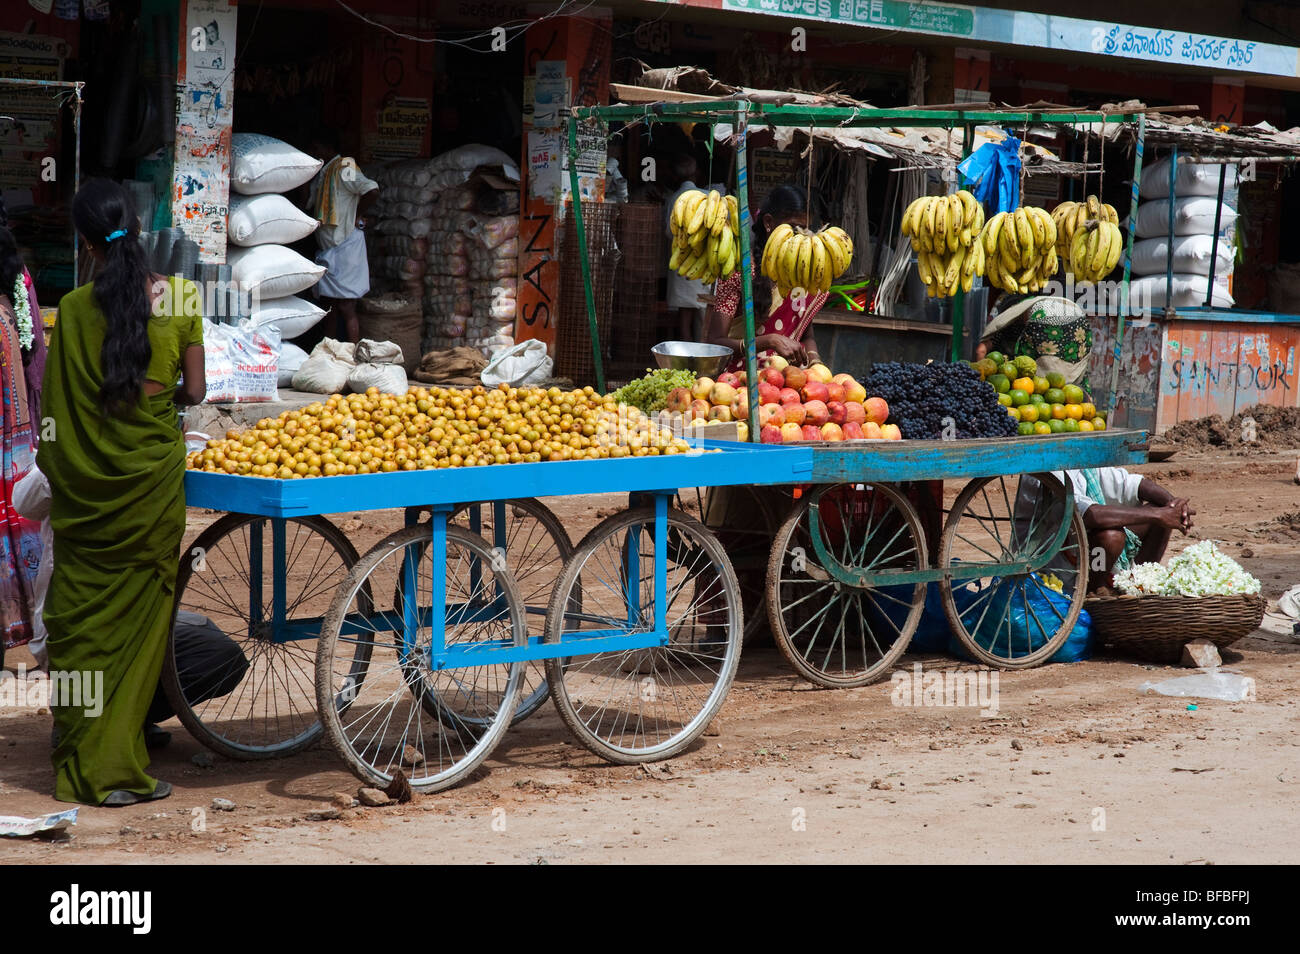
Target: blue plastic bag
(1031,614)
(992,173)
(932,630)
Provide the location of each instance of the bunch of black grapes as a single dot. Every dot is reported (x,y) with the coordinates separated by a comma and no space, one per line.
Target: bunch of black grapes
(922,396)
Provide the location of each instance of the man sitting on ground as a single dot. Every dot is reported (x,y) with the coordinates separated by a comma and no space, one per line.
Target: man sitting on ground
(1129,518)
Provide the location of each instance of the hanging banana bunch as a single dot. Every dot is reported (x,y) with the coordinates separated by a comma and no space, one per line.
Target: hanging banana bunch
(943,230)
(797,258)
(1088,238)
(1020,248)
(706,230)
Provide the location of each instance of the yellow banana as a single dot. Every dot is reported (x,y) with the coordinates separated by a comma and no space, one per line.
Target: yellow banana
(955,215)
(789,259)
(772,250)
(805,260)
(726,242)
(733,213)
(696,220)
(1116,248)
(930,227)
(953,271)
(908,226)
(821,279)
(684,207)
(1024,236)
(923,268)
(990,233)
(1036,226)
(1098,259)
(1094,207)
(835,261)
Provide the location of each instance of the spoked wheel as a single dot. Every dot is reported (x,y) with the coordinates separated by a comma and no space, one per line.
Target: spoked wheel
(536,549)
(838,618)
(381,722)
(641,705)
(742,519)
(1002,537)
(259,701)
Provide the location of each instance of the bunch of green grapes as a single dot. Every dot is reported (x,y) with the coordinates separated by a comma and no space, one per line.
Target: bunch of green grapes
(650,393)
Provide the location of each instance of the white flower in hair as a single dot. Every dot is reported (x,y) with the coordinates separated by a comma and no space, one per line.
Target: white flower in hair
(23,311)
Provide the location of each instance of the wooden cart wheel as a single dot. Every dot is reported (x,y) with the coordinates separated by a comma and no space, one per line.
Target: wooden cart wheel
(228,576)
(642,705)
(1002,535)
(839,619)
(380,723)
(536,548)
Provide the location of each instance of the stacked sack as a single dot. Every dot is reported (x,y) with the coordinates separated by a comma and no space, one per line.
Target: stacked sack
(1195,205)
(260,226)
(434,241)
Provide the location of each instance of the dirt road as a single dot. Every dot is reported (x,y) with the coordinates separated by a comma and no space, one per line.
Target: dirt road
(1075,766)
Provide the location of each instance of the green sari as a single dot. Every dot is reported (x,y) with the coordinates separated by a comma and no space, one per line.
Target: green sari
(118,515)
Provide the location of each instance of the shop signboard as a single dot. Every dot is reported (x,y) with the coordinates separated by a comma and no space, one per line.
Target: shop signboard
(29,115)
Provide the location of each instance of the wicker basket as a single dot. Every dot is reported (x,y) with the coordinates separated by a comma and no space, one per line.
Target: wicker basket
(1156,627)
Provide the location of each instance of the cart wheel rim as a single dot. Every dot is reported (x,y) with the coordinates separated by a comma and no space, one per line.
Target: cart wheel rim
(382,723)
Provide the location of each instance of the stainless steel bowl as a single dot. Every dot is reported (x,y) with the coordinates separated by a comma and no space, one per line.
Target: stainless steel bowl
(703,359)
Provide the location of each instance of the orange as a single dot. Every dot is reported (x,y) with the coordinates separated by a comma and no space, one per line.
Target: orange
(1089,410)
(1023,384)
(1042,427)
(1074,411)
(1028,412)
(1098,423)
(1058,412)
(1085,425)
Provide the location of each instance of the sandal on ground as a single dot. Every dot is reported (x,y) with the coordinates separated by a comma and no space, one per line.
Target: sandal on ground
(121,798)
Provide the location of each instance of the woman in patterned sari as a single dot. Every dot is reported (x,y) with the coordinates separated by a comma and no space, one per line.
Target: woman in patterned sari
(1055,332)
(20,542)
(782,326)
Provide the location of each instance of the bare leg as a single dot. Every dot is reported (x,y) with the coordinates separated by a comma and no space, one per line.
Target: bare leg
(1155,540)
(1111,543)
(349,324)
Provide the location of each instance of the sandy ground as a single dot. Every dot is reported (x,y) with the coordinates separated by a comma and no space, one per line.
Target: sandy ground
(1077,766)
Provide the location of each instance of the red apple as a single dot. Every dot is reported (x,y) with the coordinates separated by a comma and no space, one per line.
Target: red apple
(702,388)
(740,406)
(776,361)
(795,377)
(768,393)
(679,399)
(789,395)
(853,431)
(773,377)
(815,391)
(834,392)
(790,433)
(832,432)
(700,410)
(770,434)
(842,379)
(811,432)
(722,393)
(854,413)
(890,432)
(819,372)
(794,413)
(871,430)
(771,414)
(877,410)
(837,412)
(720,413)
(729,377)
(816,413)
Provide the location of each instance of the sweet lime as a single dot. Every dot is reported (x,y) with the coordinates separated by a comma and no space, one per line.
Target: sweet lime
(1098,423)
(1074,410)
(1026,364)
(1001,383)
(1029,412)
(1019,397)
(1042,427)
(1014,413)
(1056,425)
(1037,399)
(1085,426)
(1025,429)
(997,357)
(1071,425)
(1056,379)
(1054,396)
(1058,412)
(1009,369)
(1004,400)
(1041,384)
(1073,394)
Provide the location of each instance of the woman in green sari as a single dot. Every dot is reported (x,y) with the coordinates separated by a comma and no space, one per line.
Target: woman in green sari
(115,460)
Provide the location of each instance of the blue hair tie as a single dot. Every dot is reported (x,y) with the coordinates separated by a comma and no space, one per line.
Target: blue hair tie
(115,235)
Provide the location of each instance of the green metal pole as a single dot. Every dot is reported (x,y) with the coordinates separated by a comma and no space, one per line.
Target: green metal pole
(582,253)
(1128,261)
(746,263)
(959,299)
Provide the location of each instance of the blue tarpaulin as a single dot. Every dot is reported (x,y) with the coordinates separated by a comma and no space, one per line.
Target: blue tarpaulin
(992,173)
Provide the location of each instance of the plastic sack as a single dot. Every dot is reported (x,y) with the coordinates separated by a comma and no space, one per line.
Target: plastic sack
(291,359)
(1031,613)
(885,616)
(241,363)
(524,363)
(261,164)
(1193,215)
(388,378)
(267,220)
(992,173)
(327,368)
(370,351)
(1149,293)
(1215,684)
(218,370)
(290,315)
(272,271)
(1191,179)
(1191,255)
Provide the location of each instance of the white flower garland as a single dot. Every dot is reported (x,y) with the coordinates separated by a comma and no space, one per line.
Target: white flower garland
(23,311)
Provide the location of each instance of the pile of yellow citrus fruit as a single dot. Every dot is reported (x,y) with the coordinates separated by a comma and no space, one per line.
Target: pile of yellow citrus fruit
(429,428)
(1042,404)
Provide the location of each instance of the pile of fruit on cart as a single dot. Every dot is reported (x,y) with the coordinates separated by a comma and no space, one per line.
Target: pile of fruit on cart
(1038,403)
